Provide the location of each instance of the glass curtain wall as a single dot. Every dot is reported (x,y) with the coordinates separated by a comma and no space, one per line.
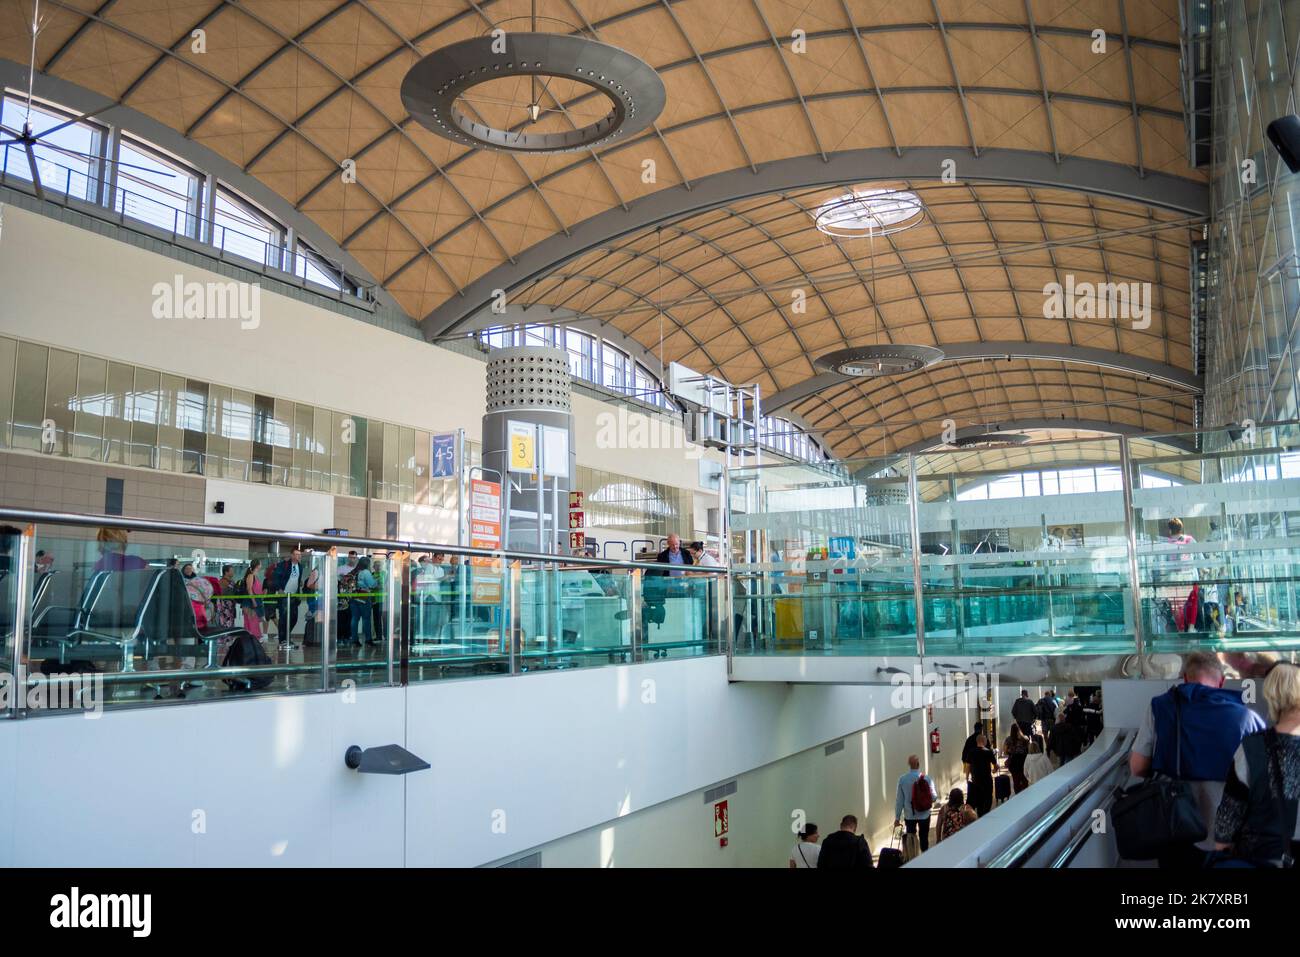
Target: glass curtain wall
(1046,549)
(1254,235)
(79,406)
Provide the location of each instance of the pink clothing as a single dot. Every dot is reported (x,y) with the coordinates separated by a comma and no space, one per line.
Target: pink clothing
(252,617)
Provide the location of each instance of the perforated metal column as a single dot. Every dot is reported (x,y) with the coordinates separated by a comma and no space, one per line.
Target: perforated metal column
(530,385)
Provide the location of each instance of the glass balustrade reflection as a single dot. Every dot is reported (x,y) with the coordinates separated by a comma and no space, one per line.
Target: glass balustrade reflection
(1024,550)
(1217,529)
(829,559)
(458,613)
(150,618)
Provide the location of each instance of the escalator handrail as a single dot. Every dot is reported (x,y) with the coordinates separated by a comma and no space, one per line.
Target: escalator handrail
(1071,850)
(1020,850)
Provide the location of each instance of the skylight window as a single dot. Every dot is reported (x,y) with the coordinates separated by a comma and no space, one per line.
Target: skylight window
(869,212)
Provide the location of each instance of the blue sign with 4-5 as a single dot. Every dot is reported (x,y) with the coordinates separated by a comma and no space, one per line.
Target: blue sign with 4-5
(444,456)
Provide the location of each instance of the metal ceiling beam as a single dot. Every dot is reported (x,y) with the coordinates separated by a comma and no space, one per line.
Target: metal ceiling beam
(956,80)
(1022,425)
(77,34)
(1021,167)
(1084,355)
(640,140)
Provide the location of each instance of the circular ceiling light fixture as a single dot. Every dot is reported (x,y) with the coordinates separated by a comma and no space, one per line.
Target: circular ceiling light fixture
(989,440)
(532,92)
(869,212)
(881,360)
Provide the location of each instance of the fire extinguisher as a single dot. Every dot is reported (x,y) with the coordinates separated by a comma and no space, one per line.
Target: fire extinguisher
(934,741)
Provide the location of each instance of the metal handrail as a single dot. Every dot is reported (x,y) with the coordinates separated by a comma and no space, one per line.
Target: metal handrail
(39,516)
(1016,853)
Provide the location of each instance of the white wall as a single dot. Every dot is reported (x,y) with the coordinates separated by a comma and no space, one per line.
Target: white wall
(860,778)
(561,752)
(72,288)
(249,505)
(267,774)
(554,753)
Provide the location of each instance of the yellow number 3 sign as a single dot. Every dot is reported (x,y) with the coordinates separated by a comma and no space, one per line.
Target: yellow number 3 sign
(522,448)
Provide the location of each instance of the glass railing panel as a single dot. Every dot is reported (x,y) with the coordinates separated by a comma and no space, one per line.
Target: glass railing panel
(1024,550)
(459,615)
(362,646)
(145,618)
(574,617)
(675,610)
(828,559)
(168,612)
(10,558)
(1217,529)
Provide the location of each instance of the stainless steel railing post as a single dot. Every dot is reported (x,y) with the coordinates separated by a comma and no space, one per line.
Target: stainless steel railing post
(724,624)
(328,612)
(512,626)
(397,606)
(25,556)
(634,617)
(915,521)
(1130,539)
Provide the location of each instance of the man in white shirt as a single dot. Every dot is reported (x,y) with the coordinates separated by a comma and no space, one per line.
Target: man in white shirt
(806,849)
(702,557)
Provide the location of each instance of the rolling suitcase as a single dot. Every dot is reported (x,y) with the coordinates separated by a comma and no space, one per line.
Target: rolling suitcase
(891,857)
(1002,787)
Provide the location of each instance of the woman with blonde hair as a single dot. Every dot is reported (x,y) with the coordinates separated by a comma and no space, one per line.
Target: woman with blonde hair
(112,552)
(1257,818)
(1037,764)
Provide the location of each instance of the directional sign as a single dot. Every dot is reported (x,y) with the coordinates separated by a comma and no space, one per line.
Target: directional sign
(443,456)
(523,446)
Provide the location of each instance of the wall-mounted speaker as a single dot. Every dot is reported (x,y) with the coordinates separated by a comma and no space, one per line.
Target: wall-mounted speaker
(1284,134)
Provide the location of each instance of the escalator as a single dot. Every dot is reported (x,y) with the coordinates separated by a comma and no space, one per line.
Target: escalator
(1061,821)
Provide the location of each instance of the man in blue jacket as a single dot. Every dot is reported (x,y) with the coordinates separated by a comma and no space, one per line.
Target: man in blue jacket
(912,803)
(1214,720)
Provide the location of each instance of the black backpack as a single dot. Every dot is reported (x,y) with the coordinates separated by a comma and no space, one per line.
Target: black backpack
(245,652)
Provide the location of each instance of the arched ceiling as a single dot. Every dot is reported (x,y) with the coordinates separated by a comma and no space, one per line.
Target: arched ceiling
(289,89)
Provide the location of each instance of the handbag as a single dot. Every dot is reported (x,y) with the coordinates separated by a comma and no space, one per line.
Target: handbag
(1161,811)
(1275,765)
(1245,856)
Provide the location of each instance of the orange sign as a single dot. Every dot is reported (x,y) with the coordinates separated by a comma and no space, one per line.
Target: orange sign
(485,532)
(484,517)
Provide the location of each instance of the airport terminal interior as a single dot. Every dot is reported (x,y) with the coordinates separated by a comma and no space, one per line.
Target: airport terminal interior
(650,433)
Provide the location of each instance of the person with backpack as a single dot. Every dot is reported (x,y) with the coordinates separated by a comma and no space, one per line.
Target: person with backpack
(913,799)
